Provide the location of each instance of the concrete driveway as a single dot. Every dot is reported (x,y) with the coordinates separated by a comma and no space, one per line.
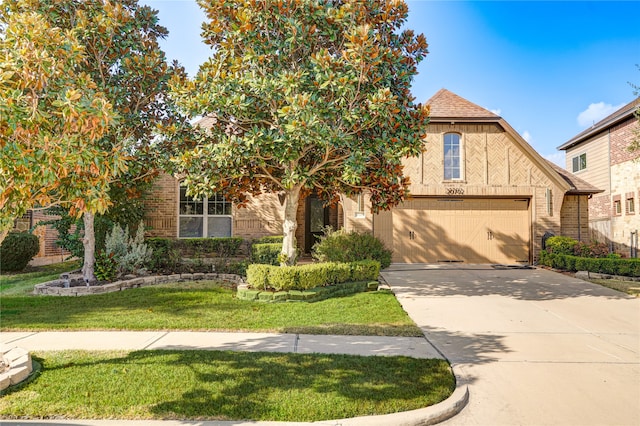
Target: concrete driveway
(535,347)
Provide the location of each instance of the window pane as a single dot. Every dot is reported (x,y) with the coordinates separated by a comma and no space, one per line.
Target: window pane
(583,161)
(189,205)
(218,226)
(451,156)
(316,216)
(190,227)
(218,205)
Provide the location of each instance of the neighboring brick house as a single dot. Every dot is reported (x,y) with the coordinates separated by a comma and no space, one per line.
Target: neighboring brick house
(600,156)
(480,194)
(49,251)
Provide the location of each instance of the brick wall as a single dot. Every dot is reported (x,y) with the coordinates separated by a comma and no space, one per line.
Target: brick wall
(621,136)
(575,217)
(161,208)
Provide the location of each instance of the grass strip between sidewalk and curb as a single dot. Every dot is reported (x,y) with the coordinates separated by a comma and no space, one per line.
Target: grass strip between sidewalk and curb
(210,306)
(223,385)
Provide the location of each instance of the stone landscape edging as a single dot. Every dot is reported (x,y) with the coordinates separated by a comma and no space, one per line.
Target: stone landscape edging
(56,287)
(19,366)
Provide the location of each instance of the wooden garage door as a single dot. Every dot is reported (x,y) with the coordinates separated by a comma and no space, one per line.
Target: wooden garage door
(461,230)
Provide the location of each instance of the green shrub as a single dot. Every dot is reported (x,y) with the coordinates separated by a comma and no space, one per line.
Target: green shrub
(561,245)
(342,246)
(305,277)
(311,276)
(267,253)
(270,239)
(164,256)
(212,247)
(603,265)
(284,278)
(129,253)
(17,250)
(106,267)
(365,270)
(258,275)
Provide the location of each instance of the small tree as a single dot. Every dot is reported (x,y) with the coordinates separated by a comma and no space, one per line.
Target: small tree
(304,96)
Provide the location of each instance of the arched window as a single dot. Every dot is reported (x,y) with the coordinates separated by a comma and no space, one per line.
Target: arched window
(204,217)
(452,157)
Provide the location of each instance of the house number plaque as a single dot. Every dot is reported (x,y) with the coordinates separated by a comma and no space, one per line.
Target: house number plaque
(455,191)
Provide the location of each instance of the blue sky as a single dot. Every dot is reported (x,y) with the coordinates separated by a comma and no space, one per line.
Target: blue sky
(549,68)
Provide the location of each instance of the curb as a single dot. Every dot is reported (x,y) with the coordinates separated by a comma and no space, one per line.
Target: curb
(431,415)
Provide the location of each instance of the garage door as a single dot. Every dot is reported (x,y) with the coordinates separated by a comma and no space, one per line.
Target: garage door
(461,230)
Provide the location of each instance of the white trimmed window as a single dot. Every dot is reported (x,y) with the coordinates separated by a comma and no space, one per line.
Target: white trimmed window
(203,217)
(359,213)
(579,162)
(452,157)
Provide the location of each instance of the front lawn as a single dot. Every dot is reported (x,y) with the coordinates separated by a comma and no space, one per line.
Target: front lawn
(215,385)
(206,305)
(23,282)
(629,287)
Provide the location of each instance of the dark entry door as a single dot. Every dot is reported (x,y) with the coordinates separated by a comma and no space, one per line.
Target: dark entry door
(316,219)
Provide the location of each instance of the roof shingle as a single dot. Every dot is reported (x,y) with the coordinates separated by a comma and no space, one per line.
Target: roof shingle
(447,106)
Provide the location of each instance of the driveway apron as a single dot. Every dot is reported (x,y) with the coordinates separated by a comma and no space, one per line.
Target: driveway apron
(535,347)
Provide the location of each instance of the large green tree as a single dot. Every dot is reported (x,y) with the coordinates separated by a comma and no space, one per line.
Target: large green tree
(305,96)
(123,58)
(52,117)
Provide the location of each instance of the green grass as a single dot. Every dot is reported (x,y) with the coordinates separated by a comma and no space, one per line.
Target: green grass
(210,385)
(22,283)
(206,305)
(629,287)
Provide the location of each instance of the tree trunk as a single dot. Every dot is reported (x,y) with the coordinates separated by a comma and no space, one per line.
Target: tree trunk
(89,244)
(3,234)
(289,252)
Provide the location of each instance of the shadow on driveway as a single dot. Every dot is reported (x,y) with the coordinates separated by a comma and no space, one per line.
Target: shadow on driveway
(485,280)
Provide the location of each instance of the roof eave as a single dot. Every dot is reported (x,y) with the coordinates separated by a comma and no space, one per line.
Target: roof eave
(464,119)
(599,128)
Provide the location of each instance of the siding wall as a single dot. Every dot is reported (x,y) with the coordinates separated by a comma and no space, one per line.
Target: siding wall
(616,170)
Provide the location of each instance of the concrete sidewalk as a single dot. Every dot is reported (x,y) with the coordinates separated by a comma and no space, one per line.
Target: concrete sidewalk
(416,347)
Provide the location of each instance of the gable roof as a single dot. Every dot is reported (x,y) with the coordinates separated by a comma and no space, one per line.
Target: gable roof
(620,115)
(447,106)
(578,186)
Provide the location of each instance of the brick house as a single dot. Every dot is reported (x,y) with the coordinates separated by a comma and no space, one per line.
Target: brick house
(480,194)
(49,251)
(599,155)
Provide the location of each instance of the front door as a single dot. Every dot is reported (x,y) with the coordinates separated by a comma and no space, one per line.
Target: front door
(316,219)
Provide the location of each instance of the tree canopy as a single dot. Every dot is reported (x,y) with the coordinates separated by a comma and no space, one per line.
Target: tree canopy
(52,117)
(304,96)
(120,56)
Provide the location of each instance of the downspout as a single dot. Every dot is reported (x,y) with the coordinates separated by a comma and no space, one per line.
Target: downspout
(610,194)
(579,225)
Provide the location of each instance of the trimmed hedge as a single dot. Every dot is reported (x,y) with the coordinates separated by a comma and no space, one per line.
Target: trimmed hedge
(266,253)
(312,295)
(604,265)
(270,239)
(305,277)
(214,247)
